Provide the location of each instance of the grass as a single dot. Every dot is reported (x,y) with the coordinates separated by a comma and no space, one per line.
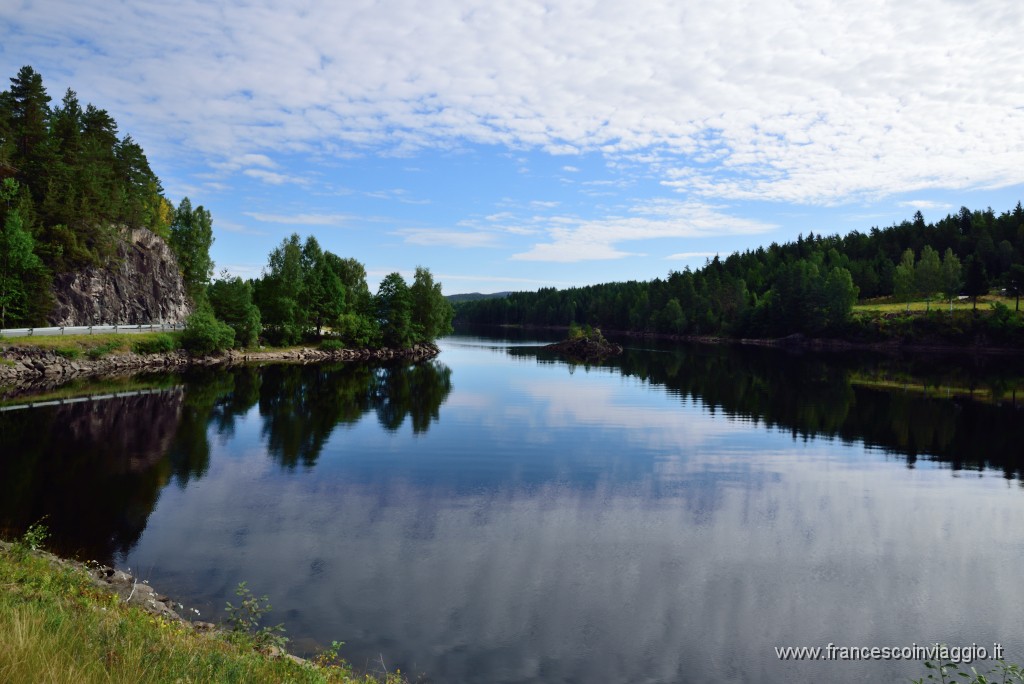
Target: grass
(93,346)
(890,305)
(75,346)
(56,626)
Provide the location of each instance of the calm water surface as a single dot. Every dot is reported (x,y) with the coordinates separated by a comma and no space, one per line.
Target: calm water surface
(499,515)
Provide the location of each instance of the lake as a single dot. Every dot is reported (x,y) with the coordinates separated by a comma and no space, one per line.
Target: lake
(501,515)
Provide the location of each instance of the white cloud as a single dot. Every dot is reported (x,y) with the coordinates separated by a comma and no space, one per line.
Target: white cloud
(574,239)
(429,237)
(273,177)
(301,219)
(821,101)
(232,227)
(241,161)
(396,194)
(570,169)
(682,256)
(926,204)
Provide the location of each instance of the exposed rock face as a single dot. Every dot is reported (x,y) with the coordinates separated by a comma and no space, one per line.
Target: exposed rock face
(142,285)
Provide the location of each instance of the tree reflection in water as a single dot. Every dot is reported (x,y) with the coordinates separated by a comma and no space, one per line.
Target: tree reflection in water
(965,411)
(96,469)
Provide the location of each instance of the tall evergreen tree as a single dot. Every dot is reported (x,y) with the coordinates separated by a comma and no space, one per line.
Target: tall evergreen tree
(30,114)
(141,194)
(63,203)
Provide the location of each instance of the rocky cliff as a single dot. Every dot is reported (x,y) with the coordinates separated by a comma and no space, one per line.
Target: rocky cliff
(142,285)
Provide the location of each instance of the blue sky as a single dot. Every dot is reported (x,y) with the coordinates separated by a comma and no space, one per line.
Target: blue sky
(511,146)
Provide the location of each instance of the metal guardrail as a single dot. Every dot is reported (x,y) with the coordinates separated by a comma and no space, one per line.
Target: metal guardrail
(78,400)
(91,329)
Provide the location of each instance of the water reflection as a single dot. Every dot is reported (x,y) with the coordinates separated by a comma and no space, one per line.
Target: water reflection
(966,414)
(96,469)
(669,517)
(301,411)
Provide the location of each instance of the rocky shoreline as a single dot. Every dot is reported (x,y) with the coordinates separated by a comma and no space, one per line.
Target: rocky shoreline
(33,365)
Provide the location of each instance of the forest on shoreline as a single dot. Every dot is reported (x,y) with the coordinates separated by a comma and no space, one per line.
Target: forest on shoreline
(812,287)
(70,189)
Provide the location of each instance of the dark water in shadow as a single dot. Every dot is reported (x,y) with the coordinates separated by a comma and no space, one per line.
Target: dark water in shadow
(499,515)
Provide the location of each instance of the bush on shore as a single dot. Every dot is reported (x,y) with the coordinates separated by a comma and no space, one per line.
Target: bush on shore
(204,334)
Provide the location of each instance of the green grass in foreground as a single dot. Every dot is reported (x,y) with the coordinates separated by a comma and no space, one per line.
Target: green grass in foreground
(55,626)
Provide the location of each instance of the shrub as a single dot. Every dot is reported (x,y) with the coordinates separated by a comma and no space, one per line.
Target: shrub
(33,538)
(159,344)
(331,345)
(70,353)
(231,299)
(103,349)
(244,620)
(357,331)
(204,334)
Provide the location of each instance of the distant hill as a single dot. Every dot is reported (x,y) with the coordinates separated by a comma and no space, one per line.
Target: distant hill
(474,296)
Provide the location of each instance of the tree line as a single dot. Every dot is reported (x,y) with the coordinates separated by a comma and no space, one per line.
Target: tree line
(71,185)
(805,286)
(306,293)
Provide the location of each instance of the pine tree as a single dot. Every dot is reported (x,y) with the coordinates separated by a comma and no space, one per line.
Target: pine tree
(29,116)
